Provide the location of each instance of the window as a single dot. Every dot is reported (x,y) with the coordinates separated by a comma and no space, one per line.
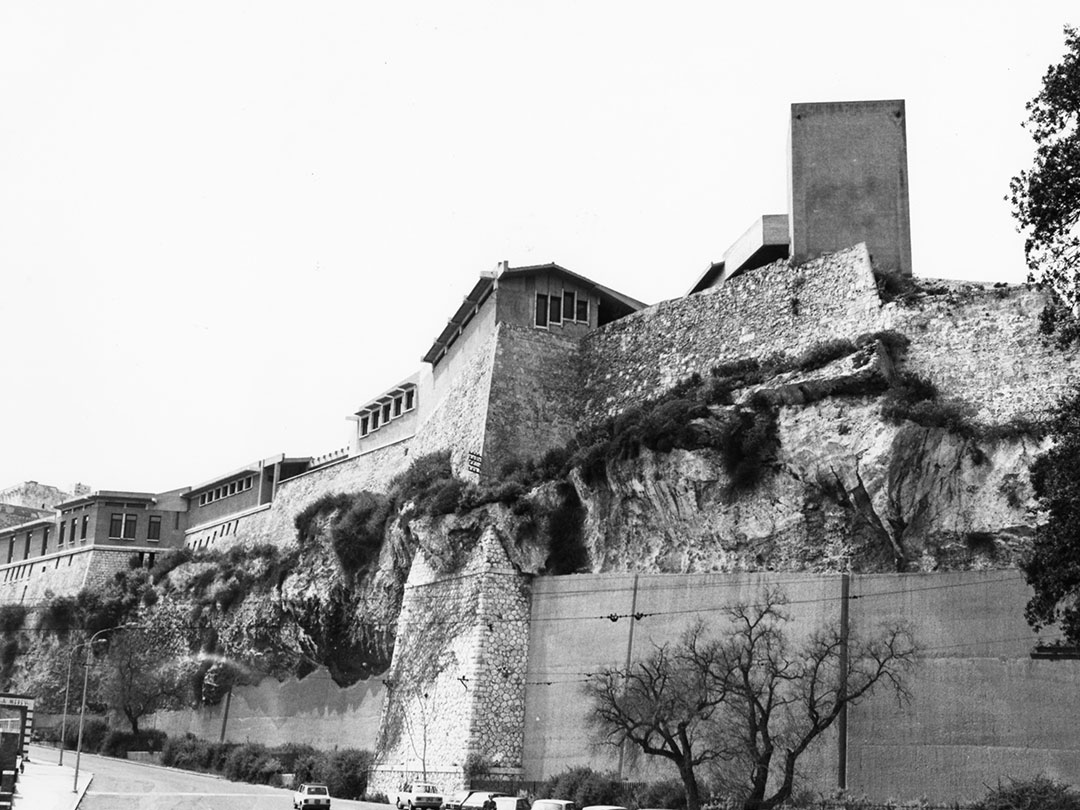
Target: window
(63,525)
(74,523)
(11,549)
(386,413)
(568,310)
(397,406)
(153,531)
(556,310)
(26,549)
(129,527)
(85,524)
(583,310)
(116,526)
(45,540)
(374,420)
(409,397)
(541,310)
(364,425)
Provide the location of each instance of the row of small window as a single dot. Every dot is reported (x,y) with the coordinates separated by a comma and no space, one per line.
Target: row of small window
(122,527)
(381,415)
(568,307)
(24,571)
(206,540)
(216,494)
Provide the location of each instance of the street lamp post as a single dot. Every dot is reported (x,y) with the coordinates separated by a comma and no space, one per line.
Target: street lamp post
(67,692)
(82,709)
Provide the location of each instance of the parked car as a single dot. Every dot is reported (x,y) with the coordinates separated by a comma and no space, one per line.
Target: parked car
(510,803)
(604,807)
(476,798)
(418,794)
(311,796)
(553,804)
(454,800)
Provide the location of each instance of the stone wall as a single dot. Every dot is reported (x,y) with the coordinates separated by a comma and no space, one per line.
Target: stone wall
(62,573)
(981,345)
(456,423)
(535,394)
(773,309)
(36,496)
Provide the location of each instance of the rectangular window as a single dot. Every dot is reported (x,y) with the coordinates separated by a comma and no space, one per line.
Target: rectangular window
(556,310)
(11,549)
(568,310)
(232,488)
(363,425)
(63,525)
(374,420)
(583,310)
(409,400)
(541,309)
(74,523)
(45,540)
(116,527)
(386,413)
(397,406)
(85,525)
(153,531)
(26,549)
(129,527)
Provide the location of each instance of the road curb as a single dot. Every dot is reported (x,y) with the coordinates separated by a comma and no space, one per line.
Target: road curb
(79,798)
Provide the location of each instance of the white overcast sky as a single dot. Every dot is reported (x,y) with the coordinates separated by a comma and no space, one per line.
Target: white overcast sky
(224,225)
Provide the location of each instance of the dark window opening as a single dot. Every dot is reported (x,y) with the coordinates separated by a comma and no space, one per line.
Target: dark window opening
(397,406)
(153,531)
(363,426)
(409,400)
(116,527)
(583,309)
(63,526)
(45,540)
(374,420)
(569,310)
(129,527)
(386,413)
(556,310)
(541,310)
(85,523)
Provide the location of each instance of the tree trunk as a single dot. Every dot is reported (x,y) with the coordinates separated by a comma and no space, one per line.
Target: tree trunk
(693,798)
(759,780)
(134,720)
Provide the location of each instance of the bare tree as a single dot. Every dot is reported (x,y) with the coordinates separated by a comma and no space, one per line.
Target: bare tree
(749,696)
(143,672)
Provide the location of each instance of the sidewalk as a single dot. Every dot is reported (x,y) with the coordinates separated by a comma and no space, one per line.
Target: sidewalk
(46,786)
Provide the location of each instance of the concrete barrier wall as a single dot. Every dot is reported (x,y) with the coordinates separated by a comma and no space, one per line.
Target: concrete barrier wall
(314,710)
(980,708)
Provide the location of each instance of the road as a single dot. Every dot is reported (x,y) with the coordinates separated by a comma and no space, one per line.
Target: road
(122,785)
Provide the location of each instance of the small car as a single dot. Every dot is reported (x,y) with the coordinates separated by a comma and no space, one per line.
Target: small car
(418,794)
(311,796)
(454,800)
(476,798)
(553,804)
(510,803)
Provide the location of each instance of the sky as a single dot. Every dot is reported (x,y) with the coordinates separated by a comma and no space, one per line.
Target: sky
(226,225)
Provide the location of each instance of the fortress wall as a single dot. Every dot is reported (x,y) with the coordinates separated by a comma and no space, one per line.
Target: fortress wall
(314,710)
(982,345)
(772,309)
(456,422)
(62,573)
(535,394)
(981,709)
(371,471)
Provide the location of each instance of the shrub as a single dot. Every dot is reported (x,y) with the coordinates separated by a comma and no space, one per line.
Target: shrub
(94,732)
(325,505)
(670,793)
(356,534)
(1027,794)
(893,341)
(118,743)
(821,354)
(346,771)
(189,752)
(12,618)
(168,561)
(584,787)
(444,498)
(424,472)
(247,763)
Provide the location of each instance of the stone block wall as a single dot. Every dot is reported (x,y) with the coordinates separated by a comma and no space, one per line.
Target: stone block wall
(772,309)
(63,573)
(535,394)
(981,345)
(457,421)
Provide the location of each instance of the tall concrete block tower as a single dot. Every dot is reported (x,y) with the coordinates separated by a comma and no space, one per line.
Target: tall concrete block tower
(848,181)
